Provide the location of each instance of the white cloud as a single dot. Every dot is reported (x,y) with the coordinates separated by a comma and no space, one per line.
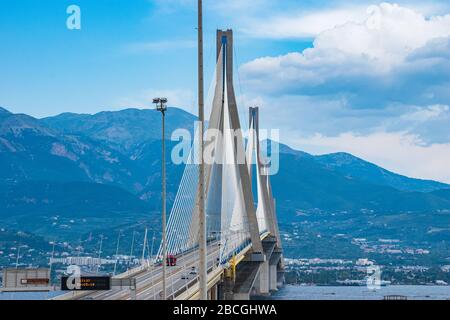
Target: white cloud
(295,20)
(400,152)
(372,47)
(426,114)
(387,36)
(303,25)
(395,56)
(377,88)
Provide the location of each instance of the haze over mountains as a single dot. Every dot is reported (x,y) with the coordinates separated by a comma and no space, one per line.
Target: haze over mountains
(108,164)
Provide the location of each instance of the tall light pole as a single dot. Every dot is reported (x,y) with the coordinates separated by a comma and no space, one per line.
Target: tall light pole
(100,254)
(145,247)
(161,106)
(117,252)
(201,180)
(18,256)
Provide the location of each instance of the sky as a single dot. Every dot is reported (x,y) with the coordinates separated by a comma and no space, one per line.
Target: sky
(364,77)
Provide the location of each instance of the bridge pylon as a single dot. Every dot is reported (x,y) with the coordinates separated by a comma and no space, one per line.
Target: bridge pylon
(224,118)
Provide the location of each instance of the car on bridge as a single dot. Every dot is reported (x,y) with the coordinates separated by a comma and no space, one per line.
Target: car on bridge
(185,276)
(193,271)
(171,261)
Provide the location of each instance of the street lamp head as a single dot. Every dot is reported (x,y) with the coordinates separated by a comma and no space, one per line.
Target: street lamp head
(160,104)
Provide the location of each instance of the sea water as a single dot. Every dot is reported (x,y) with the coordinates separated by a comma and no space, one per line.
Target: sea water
(291,292)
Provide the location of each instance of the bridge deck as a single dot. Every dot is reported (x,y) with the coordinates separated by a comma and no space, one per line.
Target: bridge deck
(149,280)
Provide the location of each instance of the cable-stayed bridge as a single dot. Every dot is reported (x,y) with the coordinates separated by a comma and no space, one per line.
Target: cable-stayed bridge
(244,251)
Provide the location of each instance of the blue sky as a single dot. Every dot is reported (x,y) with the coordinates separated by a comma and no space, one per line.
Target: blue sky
(124,51)
(364,77)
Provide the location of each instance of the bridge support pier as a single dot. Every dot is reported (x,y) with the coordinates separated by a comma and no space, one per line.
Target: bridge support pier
(262,284)
(276,275)
(281,279)
(227,289)
(273,277)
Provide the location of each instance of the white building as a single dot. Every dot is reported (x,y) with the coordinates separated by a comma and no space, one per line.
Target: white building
(364,262)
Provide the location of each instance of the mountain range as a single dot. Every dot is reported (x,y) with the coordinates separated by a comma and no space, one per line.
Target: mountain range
(108,164)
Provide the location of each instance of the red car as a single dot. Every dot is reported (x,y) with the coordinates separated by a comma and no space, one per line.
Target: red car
(171,261)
